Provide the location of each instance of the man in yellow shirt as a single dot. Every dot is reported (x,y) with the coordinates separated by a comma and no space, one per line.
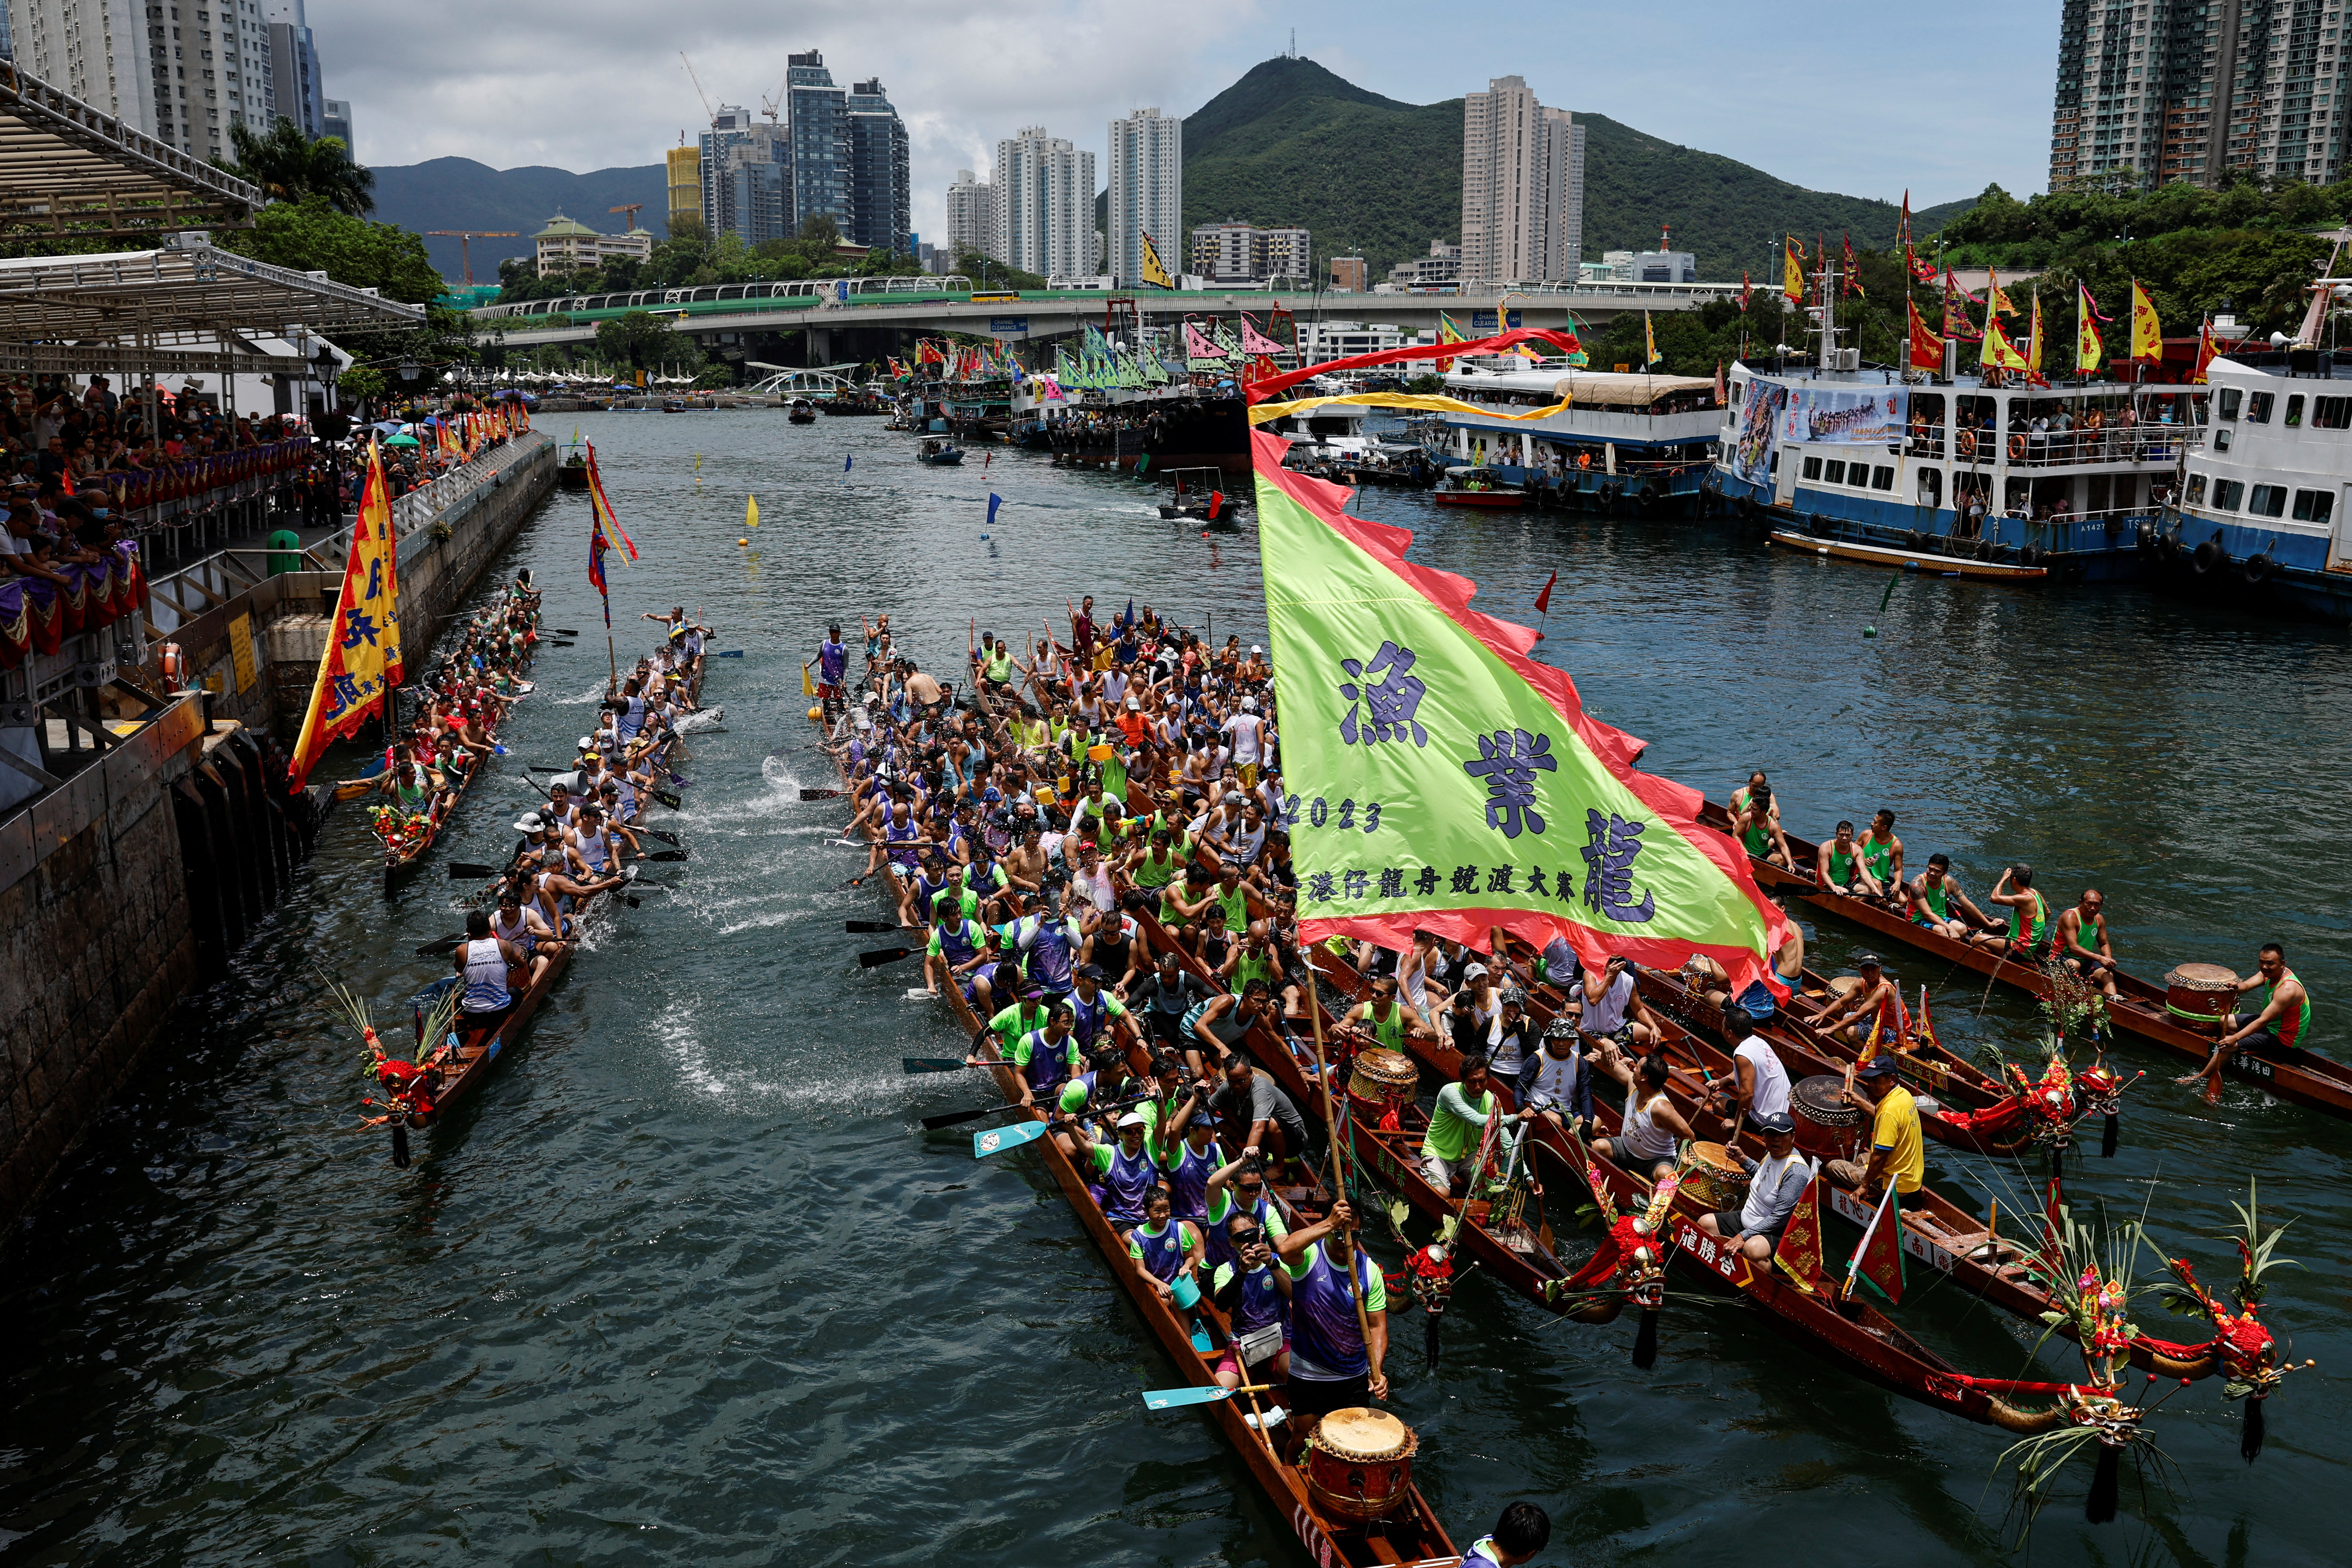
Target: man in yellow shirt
(1895,1149)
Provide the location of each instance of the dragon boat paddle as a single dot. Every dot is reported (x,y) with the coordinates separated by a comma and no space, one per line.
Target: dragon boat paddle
(949,1064)
(871,928)
(876,957)
(997,1139)
(667,855)
(558,643)
(439,946)
(731,653)
(669,798)
(469,871)
(820,794)
(1172,1398)
(565,631)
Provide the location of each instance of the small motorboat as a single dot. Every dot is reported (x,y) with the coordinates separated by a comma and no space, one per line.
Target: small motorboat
(1199,497)
(940,452)
(672,405)
(572,474)
(803,412)
(1477,487)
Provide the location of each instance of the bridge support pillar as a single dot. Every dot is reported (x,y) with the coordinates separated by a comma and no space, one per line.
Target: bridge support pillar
(820,346)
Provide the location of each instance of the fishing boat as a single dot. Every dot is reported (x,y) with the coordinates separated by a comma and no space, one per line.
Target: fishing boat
(1408,1533)
(1640,445)
(1480,487)
(2167,1015)
(1905,559)
(801,412)
(939,453)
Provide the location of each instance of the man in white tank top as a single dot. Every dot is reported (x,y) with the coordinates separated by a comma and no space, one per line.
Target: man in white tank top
(1761,1087)
(483,962)
(1604,1004)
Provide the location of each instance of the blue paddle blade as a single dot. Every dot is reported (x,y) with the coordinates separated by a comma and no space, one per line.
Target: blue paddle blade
(1171,1398)
(997,1139)
(733,653)
(1201,1339)
(499,751)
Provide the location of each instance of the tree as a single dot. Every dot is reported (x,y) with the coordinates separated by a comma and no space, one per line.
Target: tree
(290,166)
(359,383)
(642,339)
(819,233)
(687,227)
(311,235)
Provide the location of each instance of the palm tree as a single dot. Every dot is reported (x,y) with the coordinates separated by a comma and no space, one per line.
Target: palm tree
(290,166)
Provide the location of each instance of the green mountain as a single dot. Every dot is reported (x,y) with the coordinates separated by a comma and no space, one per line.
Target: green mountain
(458,192)
(1291,143)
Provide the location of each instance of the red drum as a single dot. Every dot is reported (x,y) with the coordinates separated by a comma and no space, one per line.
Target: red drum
(1359,1463)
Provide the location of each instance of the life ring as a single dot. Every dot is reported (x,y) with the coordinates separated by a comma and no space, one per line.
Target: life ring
(2258,569)
(2208,558)
(1965,444)
(174,666)
(2017,449)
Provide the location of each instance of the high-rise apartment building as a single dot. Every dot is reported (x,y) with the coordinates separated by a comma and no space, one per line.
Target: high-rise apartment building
(107,53)
(1144,178)
(1522,187)
(1045,188)
(684,170)
(337,121)
(818,123)
(2151,91)
(299,94)
(881,195)
(747,177)
(975,219)
(1243,253)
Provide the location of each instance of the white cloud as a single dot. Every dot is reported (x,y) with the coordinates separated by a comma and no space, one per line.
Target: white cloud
(1845,95)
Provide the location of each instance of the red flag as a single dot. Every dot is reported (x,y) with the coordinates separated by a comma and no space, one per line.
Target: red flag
(1799,1251)
(1543,600)
(1926,348)
(1852,277)
(1880,1261)
(1744,289)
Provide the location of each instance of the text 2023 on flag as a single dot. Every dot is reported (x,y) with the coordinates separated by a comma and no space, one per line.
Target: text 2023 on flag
(361,664)
(1440,779)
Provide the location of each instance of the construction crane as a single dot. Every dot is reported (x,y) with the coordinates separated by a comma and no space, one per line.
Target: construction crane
(708,112)
(464,236)
(633,209)
(769,106)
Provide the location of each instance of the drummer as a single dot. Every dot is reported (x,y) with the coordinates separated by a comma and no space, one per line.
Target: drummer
(1876,1000)
(1335,1360)
(2277,1029)
(1774,1188)
(2082,941)
(1896,1150)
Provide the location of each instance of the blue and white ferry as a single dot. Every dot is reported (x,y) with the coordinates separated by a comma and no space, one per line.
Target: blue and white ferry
(1953,475)
(2264,512)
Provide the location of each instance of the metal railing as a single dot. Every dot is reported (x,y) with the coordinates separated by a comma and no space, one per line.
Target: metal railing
(423,504)
(2070,449)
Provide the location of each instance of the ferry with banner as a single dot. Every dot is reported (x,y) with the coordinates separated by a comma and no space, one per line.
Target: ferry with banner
(1955,475)
(1641,446)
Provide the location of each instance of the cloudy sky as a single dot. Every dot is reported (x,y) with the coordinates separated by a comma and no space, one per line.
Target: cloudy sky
(1855,96)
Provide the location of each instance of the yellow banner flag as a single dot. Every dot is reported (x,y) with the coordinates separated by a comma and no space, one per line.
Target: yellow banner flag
(2148,334)
(750,511)
(362,663)
(1649,341)
(1155,271)
(2087,347)
(1792,282)
(2034,341)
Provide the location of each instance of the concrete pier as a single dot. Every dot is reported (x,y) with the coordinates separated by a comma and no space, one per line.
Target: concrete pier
(127,887)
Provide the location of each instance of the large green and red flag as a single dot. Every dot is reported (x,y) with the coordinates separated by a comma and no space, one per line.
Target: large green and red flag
(1447,782)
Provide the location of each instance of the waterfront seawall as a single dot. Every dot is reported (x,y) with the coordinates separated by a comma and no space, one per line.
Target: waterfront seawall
(125,889)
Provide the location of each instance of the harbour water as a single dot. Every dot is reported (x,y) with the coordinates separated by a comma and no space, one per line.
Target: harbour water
(687,1284)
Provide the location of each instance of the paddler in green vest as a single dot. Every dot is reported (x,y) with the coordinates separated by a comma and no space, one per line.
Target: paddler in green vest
(1838,867)
(2283,1025)
(1939,903)
(2029,929)
(1881,855)
(1757,823)
(1156,864)
(1387,1017)
(1252,958)
(996,666)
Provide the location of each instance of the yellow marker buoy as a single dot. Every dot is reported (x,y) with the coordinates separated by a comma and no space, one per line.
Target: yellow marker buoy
(742,542)
(818,713)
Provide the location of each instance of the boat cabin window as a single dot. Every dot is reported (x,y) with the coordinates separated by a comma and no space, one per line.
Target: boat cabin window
(2258,408)
(2228,493)
(1811,471)
(2331,413)
(1882,478)
(1833,472)
(2268,501)
(2293,419)
(2196,489)
(1931,487)
(2221,440)
(2229,395)
(2313,506)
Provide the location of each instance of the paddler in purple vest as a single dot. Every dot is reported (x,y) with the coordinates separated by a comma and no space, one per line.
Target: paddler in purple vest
(1123,1175)
(1334,1362)
(1239,1188)
(1254,1296)
(1186,1145)
(1048,1057)
(1167,1250)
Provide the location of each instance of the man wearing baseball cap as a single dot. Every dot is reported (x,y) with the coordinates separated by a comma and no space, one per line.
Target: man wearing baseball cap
(1895,1149)
(1774,1186)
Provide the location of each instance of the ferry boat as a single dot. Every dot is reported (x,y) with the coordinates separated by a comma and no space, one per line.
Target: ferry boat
(1640,445)
(2262,514)
(1489,487)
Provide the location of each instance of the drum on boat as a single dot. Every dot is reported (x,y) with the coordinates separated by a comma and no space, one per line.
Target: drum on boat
(1712,1175)
(1360,1462)
(1826,1120)
(1380,1079)
(2199,992)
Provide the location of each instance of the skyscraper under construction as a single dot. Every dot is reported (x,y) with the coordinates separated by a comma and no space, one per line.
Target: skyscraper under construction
(2152,92)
